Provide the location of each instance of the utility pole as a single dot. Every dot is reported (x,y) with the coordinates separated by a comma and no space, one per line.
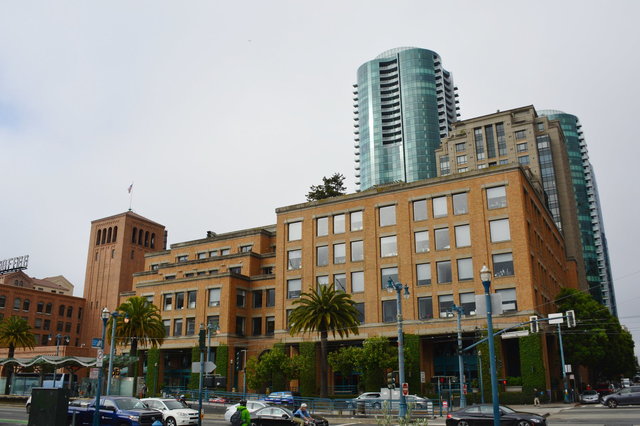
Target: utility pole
(201,336)
(463,399)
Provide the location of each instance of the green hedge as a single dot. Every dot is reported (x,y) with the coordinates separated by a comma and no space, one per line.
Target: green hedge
(308,374)
(531,365)
(194,380)
(151,380)
(412,362)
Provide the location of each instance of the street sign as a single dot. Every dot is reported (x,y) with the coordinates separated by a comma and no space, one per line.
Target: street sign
(481,305)
(515,334)
(93,373)
(556,318)
(99,358)
(405,389)
(423,377)
(208,367)
(96,342)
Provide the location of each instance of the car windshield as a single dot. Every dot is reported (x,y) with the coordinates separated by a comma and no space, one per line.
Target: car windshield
(507,409)
(590,392)
(172,404)
(129,404)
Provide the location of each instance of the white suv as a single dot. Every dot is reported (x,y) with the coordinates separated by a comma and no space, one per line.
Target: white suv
(174,413)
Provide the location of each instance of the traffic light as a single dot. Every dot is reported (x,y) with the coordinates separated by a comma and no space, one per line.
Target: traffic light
(533,326)
(571,319)
(391,381)
(503,381)
(201,336)
(239,360)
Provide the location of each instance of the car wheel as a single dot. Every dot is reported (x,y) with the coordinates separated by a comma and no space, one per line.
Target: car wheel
(376,405)
(170,422)
(523,423)
(612,403)
(463,423)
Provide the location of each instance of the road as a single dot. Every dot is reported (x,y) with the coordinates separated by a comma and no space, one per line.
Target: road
(594,415)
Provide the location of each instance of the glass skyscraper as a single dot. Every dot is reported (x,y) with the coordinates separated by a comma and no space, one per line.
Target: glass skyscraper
(594,242)
(405,101)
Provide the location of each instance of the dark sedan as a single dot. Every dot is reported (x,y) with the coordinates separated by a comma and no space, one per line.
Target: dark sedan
(482,415)
(281,416)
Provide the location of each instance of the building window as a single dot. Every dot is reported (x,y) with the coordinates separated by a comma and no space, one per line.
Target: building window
(443,268)
(338,224)
(439,206)
(294,258)
(522,147)
(235,269)
(387,215)
(246,249)
(322,255)
(177,327)
(240,326)
(465,269)
(191,299)
(461,146)
(293,288)
(388,246)
(202,255)
(322,226)
(445,305)
(67,327)
(17,304)
(356,221)
(357,251)
(38,323)
(357,282)
(213,253)
(463,235)
(213,321)
(389,311)
(422,241)
(442,239)
(425,308)
(423,273)
(521,134)
(461,159)
(183,258)
(445,165)
(360,308)
(167,327)
(420,210)
(61,310)
(295,231)
(468,303)
(271,297)
(339,253)
(191,326)
(322,280)
(508,296)
(540,127)
(59,326)
(256,295)
(271,326)
(214,297)
(179,300)
(3,302)
(170,277)
(386,273)
(523,160)
(340,282)
(241,298)
(267,270)
(499,230)
(48,308)
(460,203)
(256,326)
(503,265)
(496,197)
(47,325)
(225,251)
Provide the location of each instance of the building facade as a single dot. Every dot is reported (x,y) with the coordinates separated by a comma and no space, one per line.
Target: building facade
(520,136)
(594,244)
(405,102)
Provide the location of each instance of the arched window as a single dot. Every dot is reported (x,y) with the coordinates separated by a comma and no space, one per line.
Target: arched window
(48,308)
(146,239)
(26,305)
(115,233)
(40,307)
(98,237)
(17,302)
(133,236)
(104,236)
(69,311)
(153,240)
(140,235)
(61,310)
(109,235)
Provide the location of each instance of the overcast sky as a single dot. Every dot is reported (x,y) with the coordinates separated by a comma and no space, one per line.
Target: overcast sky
(220,112)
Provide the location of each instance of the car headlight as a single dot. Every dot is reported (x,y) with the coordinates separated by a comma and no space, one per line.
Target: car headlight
(183,414)
(536,420)
(134,418)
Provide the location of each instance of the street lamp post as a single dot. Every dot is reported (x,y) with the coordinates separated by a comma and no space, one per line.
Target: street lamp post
(114,320)
(398,287)
(485,277)
(463,399)
(96,413)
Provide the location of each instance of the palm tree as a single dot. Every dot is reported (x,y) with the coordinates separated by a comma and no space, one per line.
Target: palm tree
(140,323)
(322,311)
(15,333)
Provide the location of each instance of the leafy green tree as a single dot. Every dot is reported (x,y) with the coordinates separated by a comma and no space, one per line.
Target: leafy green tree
(15,333)
(331,187)
(346,360)
(271,369)
(324,311)
(138,323)
(378,356)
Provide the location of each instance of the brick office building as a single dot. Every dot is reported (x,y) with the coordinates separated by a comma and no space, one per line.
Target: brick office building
(432,235)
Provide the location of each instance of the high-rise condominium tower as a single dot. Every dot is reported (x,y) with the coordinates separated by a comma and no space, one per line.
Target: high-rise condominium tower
(405,101)
(594,242)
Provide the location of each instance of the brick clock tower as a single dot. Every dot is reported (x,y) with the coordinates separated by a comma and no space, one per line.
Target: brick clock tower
(117,246)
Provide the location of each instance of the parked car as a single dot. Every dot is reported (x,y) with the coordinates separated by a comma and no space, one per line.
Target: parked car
(283,398)
(369,399)
(174,413)
(482,414)
(589,397)
(218,399)
(251,406)
(280,416)
(625,396)
(418,402)
(117,410)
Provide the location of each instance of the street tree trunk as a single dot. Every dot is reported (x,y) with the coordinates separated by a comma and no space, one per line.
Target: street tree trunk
(7,385)
(324,368)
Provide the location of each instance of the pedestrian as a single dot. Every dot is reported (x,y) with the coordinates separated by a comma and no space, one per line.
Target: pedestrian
(536,399)
(245,416)
(144,390)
